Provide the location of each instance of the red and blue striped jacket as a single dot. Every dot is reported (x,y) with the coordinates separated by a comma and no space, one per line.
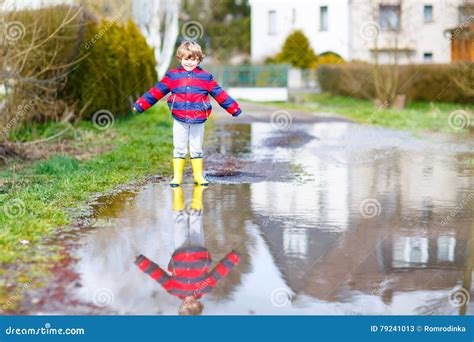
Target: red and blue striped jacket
(189,267)
(189,101)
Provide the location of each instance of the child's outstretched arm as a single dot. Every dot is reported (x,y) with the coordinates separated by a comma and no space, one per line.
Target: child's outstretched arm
(152,269)
(153,95)
(224,100)
(222,268)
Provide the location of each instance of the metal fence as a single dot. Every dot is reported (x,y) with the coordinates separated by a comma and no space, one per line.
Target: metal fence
(275,75)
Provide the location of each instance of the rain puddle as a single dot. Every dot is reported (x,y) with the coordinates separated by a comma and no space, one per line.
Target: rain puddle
(328,218)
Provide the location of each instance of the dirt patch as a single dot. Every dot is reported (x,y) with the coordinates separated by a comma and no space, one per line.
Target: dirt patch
(82,145)
(10,151)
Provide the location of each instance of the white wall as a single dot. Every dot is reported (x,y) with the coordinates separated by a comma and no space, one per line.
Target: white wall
(347,19)
(431,35)
(261,94)
(415,34)
(306,19)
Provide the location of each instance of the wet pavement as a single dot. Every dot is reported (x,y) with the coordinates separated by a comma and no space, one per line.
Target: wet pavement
(329,217)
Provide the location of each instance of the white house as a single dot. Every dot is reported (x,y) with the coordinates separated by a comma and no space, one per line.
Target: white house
(357,29)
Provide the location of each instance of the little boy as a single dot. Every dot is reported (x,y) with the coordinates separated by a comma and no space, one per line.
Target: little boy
(190,107)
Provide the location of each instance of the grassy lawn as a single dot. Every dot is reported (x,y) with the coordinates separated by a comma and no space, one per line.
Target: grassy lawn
(34,198)
(416,117)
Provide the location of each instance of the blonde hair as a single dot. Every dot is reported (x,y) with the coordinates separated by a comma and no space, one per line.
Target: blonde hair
(189,49)
(190,306)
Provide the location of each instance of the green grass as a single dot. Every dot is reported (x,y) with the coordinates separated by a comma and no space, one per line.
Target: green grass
(36,131)
(416,117)
(33,201)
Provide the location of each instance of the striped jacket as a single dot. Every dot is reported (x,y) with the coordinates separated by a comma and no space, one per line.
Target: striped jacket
(190,271)
(189,101)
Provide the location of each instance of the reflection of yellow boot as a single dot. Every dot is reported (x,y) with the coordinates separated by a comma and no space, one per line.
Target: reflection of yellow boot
(197,171)
(178,167)
(178,202)
(196,202)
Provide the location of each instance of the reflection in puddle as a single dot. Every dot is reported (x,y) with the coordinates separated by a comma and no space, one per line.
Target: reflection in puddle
(382,224)
(190,277)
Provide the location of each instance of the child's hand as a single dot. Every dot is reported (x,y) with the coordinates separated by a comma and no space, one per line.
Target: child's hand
(137,259)
(134,109)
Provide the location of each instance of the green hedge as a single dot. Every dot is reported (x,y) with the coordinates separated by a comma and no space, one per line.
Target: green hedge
(118,66)
(296,51)
(82,65)
(433,82)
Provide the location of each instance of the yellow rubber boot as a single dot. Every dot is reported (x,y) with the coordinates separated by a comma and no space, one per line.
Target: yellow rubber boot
(196,202)
(178,167)
(197,171)
(178,202)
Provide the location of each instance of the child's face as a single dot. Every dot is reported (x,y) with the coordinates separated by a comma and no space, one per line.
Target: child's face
(189,63)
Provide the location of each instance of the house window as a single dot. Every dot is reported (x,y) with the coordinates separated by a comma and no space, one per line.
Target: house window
(428,57)
(408,251)
(272,24)
(295,243)
(446,248)
(389,17)
(428,13)
(323,18)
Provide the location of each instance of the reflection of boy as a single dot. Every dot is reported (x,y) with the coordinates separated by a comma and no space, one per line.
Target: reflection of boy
(190,278)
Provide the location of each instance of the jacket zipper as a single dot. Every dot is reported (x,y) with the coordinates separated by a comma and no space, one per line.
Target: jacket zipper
(205,107)
(172,104)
